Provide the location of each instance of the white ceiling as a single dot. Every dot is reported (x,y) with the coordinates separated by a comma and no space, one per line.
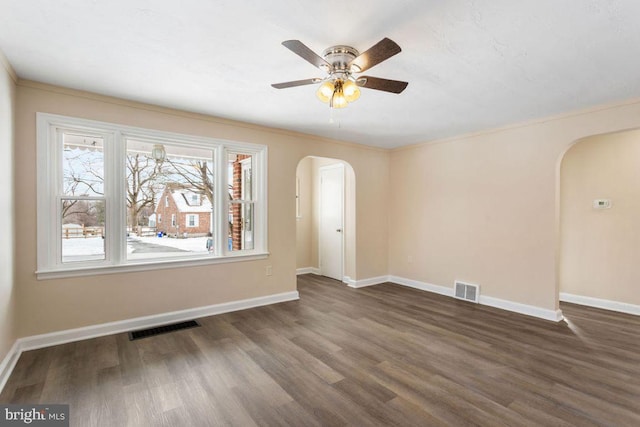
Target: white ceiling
(470,64)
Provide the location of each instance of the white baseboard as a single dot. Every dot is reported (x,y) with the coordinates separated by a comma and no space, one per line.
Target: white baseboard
(93,331)
(621,307)
(516,307)
(8,363)
(529,310)
(365,282)
(307,270)
(423,286)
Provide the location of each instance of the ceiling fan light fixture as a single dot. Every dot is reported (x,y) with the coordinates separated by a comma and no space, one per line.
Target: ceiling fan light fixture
(341,86)
(325,91)
(351,91)
(338,100)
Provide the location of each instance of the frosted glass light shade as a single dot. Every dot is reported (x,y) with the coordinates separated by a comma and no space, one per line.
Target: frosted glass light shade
(325,91)
(339,101)
(351,91)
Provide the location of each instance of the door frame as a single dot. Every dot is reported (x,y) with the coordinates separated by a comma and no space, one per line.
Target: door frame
(342,217)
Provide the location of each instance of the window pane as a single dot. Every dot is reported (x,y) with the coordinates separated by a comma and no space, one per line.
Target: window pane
(82,165)
(83,230)
(240,170)
(241,219)
(173,182)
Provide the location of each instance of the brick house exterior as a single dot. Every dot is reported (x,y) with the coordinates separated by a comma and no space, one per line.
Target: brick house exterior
(235,229)
(181,210)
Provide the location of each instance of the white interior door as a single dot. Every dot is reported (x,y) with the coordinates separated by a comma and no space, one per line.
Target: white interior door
(331,230)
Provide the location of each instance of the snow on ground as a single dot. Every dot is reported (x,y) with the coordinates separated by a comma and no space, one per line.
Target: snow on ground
(191,244)
(93,246)
(88,246)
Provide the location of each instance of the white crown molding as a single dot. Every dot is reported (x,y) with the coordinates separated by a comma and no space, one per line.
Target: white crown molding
(188,114)
(533,122)
(7,66)
(93,331)
(621,307)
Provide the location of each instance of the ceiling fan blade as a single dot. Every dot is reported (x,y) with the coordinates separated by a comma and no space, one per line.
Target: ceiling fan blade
(300,49)
(379,52)
(296,83)
(393,86)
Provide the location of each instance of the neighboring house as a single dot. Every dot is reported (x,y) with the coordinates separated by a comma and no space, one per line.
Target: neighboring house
(180,209)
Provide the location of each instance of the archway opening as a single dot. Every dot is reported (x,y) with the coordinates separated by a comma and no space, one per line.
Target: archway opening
(317,236)
(599,222)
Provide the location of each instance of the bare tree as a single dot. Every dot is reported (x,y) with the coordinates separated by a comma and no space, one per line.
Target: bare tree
(81,178)
(144,182)
(89,213)
(84,176)
(196,173)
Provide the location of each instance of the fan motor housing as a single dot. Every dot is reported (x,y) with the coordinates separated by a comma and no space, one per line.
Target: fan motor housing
(340,56)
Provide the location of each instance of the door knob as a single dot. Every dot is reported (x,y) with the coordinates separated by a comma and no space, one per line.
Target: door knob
(339,230)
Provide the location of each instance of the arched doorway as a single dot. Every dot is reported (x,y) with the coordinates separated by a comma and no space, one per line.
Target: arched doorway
(325,244)
(599,222)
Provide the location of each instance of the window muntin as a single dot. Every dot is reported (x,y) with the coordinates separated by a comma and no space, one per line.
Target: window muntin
(84,164)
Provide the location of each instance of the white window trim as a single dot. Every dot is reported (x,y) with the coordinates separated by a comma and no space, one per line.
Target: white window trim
(49,164)
(196,220)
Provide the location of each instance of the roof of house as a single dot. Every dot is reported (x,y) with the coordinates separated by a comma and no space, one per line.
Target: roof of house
(180,197)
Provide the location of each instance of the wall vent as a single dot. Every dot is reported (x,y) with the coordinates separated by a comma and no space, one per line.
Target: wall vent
(144,333)
(466,291)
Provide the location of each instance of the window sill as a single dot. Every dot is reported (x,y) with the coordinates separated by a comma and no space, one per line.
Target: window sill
(146,266)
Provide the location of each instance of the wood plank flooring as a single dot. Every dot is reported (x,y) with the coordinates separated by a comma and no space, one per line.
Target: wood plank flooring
(383,355)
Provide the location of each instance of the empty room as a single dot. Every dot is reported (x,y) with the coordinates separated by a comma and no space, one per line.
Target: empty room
(297,213)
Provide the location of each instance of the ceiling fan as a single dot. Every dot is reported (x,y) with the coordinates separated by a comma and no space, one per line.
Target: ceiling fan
(342,65)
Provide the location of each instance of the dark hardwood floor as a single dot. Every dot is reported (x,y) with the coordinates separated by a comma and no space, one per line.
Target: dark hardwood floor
(383,355)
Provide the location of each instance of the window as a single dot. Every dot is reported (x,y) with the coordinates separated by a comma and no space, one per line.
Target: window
(192,220)
(101,186)
(241,201)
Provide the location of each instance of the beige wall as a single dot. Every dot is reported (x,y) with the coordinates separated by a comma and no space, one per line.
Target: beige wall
(600,249)
(483,208)
(51,305)
(7,291)
(304,221)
